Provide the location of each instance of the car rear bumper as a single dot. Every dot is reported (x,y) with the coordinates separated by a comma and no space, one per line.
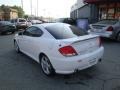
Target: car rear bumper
(69,65)
(21,26)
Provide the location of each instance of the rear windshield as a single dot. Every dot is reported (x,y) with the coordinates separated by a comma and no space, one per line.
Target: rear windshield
(63,31)
(109,22)
(22,20)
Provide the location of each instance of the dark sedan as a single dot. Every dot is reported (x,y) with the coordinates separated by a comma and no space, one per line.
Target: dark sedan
(7,27)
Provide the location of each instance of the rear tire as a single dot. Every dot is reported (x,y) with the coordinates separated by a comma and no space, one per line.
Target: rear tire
(46,66)
(118,37)
(3,33)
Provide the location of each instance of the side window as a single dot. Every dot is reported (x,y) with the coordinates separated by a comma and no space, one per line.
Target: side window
(33,32)
(15,20)
(12,21)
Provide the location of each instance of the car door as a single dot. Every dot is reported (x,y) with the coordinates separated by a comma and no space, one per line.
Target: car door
(22,40)
(30,42)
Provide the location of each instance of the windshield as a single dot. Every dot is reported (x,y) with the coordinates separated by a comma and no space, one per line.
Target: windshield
(64,31)
(109,22)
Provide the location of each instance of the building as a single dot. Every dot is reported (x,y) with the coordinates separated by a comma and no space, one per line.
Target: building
(74,9)
(8,14)
(1,14)
(85,11)
(13,14)
(107,9)
(95,10)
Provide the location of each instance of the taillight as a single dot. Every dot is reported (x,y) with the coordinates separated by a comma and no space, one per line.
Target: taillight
(68,51)
(110,28)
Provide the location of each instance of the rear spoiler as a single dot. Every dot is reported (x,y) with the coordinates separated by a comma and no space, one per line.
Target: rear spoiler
(85,39)
(81,38)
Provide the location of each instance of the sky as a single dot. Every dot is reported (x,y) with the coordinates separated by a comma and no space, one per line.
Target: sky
(47,8)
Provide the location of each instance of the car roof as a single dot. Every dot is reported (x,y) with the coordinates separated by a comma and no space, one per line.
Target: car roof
(5,22)
(50,24)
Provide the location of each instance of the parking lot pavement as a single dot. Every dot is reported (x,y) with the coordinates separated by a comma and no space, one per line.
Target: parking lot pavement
(19,72)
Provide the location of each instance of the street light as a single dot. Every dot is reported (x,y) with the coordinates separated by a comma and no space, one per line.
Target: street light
(31,6)
(22,3)
(37,8)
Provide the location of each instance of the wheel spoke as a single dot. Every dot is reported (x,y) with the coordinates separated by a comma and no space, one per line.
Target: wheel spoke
(43,61)
(47,69)
(16,46)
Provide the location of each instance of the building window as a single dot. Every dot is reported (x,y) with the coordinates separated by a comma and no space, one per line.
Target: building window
(117,14)
(111,13)
(103,13)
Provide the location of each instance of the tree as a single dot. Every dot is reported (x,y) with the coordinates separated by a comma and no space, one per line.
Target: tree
(4,8)
(18,8)
(20,11)
(26,16)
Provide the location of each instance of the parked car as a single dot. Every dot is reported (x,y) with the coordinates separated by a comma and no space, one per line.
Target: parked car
(6,27)
(66,20)
(36,22)
(29,23)
(109,28)
(59,48)
(20,23)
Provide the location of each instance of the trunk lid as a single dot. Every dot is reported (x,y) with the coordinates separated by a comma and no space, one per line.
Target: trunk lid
(99,27)
(83,44)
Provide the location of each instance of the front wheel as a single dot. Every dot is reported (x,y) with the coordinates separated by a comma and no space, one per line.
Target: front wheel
(46,66)
(118,37)
(16,47)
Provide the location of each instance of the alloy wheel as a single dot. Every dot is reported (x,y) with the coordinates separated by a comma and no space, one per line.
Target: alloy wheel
(16,46)
(46,65)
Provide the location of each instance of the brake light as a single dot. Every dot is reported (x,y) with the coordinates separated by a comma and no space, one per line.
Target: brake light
(110,28)
(68,51)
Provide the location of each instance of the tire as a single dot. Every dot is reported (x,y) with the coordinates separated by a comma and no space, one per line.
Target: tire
(46,66)
(118,37)
(16,47)
(3,33)
(13,32)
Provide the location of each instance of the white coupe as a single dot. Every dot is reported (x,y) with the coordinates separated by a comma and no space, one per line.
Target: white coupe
(59,48)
